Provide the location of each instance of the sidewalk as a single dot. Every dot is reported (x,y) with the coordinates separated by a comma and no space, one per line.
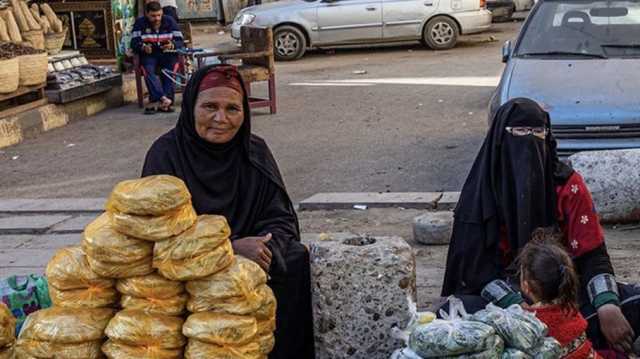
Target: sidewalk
(31,230)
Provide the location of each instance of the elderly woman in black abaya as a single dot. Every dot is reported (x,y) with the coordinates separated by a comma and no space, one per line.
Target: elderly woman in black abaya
(231,172)
(516,185)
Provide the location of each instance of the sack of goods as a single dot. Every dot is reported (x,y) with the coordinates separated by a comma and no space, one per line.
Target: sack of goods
(115,255)
(153,294)
(7,332)
(202,250)
(73,284)
(152,208)
(134,333)
(63,333)
(234,314)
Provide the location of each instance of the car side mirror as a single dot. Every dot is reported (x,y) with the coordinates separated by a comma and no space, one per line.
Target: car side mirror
(506,51)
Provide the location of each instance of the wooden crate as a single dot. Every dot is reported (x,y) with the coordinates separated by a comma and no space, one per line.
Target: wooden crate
(24,99)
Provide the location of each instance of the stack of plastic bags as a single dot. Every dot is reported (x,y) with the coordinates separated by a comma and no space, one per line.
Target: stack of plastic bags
(72,283)
(153,294)
(7,332)
(235,314)
(59,332)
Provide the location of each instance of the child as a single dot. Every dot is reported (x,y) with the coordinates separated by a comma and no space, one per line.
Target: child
(549,279)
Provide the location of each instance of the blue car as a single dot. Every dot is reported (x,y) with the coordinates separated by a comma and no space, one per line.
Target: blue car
(581,60)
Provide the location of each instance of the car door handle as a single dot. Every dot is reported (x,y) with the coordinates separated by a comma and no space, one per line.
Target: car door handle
(371,8)
(428,3)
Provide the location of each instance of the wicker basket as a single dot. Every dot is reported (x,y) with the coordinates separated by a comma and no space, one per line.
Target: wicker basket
(33,69)
(53,42)
(9,75)
(34,38)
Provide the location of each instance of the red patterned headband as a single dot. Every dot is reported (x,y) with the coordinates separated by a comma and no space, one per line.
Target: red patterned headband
(222,76)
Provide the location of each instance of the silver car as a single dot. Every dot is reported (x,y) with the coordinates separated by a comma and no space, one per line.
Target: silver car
(302,24)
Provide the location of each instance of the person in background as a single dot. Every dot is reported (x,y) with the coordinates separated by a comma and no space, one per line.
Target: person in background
(155,38)
(170,8)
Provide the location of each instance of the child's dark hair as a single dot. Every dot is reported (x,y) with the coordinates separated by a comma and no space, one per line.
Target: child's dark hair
(549,270)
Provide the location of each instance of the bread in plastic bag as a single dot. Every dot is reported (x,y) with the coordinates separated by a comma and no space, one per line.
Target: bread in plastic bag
(165,306)
(220,329)
(269,305)
(197,349)
(548,348)
(494,351)
(452,336)
(137,328)
(102,242)
(94,297)
(239,279)
(156,228)
(153,195)
(266,342)
(266,326)
(150,286)
(520,329)
(121,270)
(245,305)
(116,350)
(512,353)
(69,269)
(7,352)
(7,326)
(209,233)
(197,267)
(44,349)
(66,325)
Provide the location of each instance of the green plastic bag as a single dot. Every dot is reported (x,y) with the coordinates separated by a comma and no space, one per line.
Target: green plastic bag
(24,295)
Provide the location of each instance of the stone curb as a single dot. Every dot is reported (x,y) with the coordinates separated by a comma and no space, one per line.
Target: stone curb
(413,200)
(20,206)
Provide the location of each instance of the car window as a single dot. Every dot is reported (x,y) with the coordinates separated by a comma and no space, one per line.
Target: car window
(589,29)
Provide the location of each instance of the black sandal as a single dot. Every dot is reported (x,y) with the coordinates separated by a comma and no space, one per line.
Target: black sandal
(150,111)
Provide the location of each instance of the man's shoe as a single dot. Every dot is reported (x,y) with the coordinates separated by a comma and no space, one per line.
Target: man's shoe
(150,111)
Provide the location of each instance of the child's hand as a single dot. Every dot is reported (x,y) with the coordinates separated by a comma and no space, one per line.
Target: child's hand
(616,328)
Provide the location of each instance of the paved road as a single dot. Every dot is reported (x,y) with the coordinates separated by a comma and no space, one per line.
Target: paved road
(392,130)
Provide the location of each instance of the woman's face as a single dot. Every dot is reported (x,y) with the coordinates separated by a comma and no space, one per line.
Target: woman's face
(219,114)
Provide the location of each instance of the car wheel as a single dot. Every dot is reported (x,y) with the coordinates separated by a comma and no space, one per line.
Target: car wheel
(288,43)
(440,33)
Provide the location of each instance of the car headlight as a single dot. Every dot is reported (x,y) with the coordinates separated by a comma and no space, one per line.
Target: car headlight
(244,19)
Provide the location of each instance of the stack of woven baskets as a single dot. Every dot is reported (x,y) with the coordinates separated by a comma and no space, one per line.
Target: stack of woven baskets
(25,25)
(21,66)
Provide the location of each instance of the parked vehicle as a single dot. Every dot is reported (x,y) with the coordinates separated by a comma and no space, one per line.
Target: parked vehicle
(302,24)
(502,10)
(581,61)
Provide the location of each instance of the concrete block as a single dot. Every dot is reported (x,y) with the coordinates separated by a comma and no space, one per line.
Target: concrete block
(73,225)
(433,227)
(53,117)
(361,289)
(449,201)
(612,178)
(331,201)
(10,132)
(55,205)
(29,224)
(39,241)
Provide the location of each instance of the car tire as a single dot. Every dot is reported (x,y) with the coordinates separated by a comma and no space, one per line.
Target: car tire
(440,33)
(289,43)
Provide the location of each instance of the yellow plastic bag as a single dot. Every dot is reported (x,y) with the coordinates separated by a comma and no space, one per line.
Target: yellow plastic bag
(155,228)
(121,270)
(7,326)
(220,329)
(209,233)
(66,325)
(44,349)
(116,350)
(102,242)
(266,326)
(7,352)
(169,306)
(198,350)
(266,343)
(153,195)
(238,280)
(245,305)
(197,267)
(137,328)
(94,297)
(269,305)
(68,269)
(150,286)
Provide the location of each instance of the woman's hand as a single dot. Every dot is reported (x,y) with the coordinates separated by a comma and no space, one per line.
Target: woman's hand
(616,328)
(254,248)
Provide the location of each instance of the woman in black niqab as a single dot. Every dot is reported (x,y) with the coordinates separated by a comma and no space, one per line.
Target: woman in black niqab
(510,191)
(240,180)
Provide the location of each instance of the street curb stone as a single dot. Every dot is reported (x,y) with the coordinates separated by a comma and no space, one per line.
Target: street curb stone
(347,200)
(433,228)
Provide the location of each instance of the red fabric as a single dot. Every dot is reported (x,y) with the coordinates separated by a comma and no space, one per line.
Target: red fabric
(565,327)
(577,217)
(222,76)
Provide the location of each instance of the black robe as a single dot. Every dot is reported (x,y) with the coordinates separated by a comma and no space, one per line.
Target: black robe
(241,181)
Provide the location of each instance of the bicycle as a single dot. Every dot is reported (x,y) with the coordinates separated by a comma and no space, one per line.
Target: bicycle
(187,68)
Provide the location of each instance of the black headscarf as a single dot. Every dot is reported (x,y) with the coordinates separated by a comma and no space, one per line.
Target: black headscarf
(511,188)
(235,179)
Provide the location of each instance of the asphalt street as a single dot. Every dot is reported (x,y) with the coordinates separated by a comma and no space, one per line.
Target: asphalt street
(400,118)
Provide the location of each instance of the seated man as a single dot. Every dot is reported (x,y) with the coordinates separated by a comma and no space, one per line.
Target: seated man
(155,38)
